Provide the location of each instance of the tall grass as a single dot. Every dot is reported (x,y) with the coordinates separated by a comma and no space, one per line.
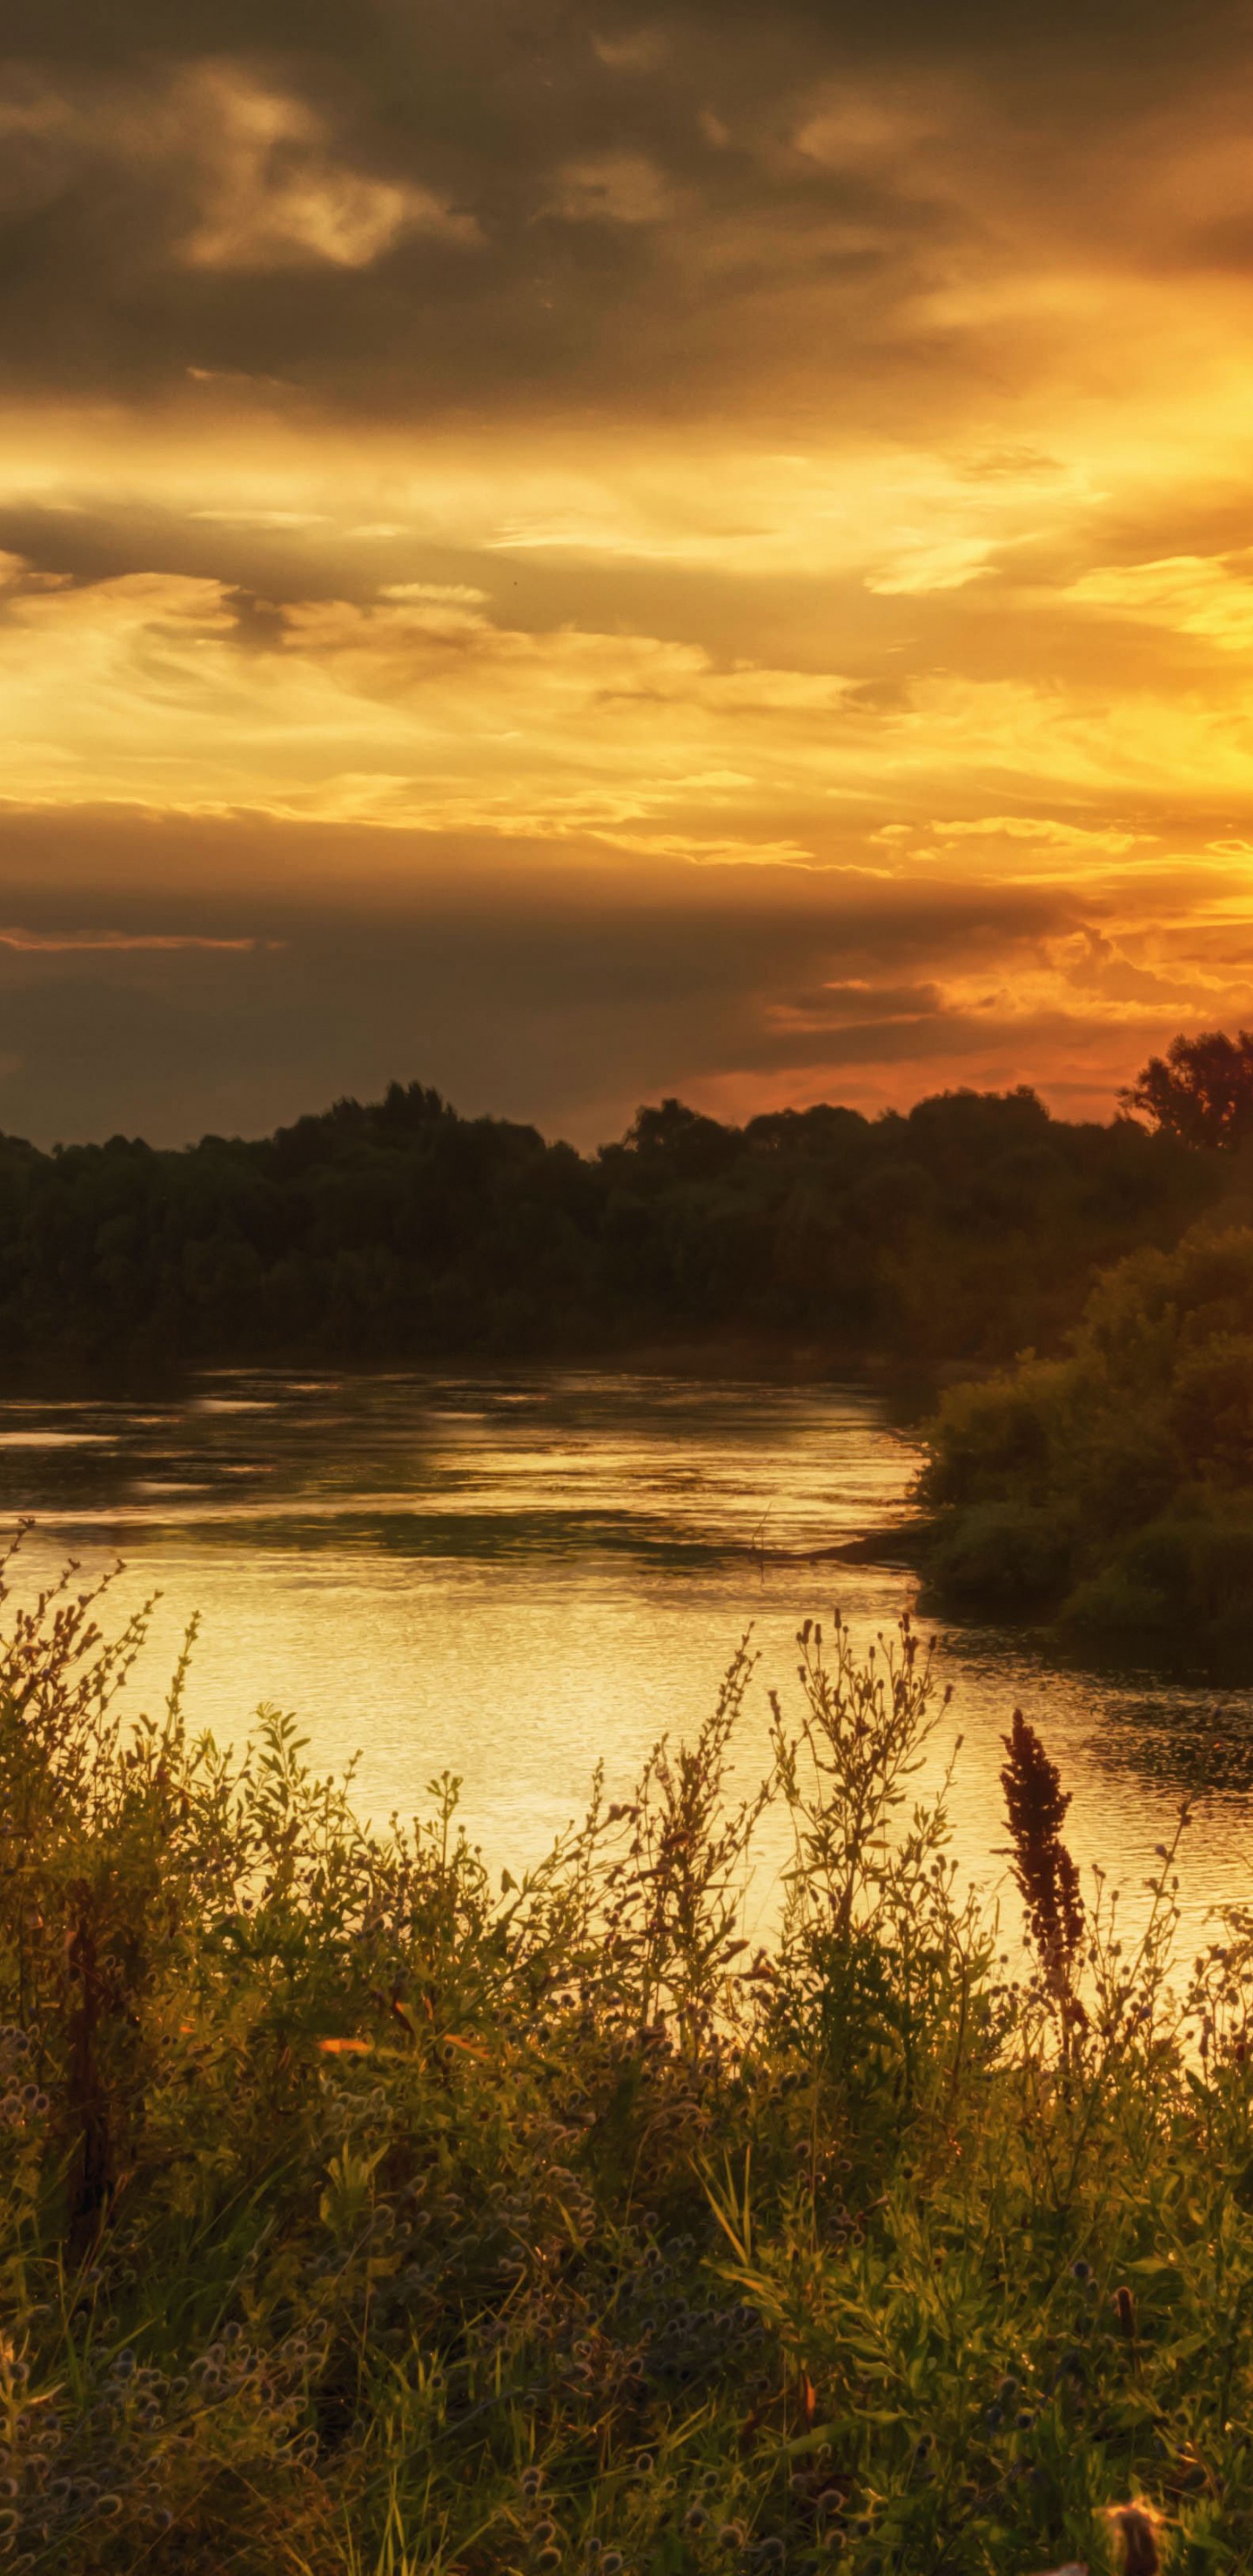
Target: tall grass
(362,2216)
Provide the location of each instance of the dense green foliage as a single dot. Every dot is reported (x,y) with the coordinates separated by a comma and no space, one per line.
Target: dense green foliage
(1115,1485)
(1201,1090)
(356,2215)
(401,1232)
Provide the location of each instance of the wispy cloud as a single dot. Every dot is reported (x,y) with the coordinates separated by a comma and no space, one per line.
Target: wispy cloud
(57,943)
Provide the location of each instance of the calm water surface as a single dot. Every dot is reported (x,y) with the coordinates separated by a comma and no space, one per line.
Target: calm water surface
(510,1575)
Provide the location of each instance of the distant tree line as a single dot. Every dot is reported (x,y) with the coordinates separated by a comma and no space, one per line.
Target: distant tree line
(397,1231)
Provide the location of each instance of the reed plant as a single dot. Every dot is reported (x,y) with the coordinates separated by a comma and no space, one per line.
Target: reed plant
(362,2214)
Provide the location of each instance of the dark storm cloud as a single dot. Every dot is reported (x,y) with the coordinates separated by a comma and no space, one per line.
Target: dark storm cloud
(377,207)
(105,542)
(556,1001)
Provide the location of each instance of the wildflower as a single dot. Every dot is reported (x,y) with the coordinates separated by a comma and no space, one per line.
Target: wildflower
(611,2563)
(531,2481)
(1046,1876)
(543,2532)
(695,2518)
(549,2558)
(732,2536)
(1135,2528)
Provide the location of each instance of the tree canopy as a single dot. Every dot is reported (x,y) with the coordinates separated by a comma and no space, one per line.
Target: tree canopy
(1201,1090)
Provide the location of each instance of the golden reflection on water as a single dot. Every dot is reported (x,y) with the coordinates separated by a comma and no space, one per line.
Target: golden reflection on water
(510,1576)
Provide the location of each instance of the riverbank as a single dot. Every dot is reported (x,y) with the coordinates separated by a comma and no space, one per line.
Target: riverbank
(403,1558)
(361,2211)
(1111,1491)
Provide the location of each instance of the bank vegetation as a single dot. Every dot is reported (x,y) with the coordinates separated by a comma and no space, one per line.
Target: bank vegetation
(363,2209)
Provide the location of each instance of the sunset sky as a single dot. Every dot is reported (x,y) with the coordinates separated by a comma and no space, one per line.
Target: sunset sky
(574,554)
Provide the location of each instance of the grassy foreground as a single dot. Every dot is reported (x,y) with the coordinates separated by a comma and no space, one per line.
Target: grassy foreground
(361,2214)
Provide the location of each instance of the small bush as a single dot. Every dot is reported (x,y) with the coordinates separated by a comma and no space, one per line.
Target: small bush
(1114,1608)
(1009,1558)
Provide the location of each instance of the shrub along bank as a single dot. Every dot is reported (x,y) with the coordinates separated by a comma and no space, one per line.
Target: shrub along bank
(360,2213)
(1113,1489)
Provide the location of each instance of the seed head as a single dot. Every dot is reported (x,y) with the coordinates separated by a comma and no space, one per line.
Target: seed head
(1135,2528)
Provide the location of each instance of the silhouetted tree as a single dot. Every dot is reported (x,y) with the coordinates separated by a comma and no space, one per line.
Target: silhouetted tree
(1201,1090)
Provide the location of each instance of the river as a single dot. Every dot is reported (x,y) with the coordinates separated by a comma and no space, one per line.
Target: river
(509,1575)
